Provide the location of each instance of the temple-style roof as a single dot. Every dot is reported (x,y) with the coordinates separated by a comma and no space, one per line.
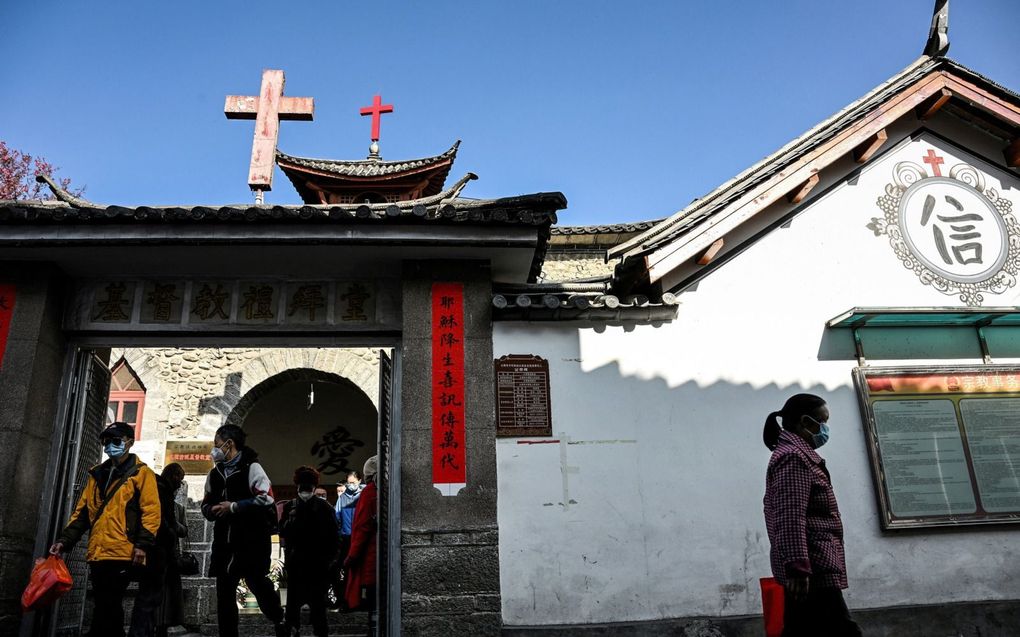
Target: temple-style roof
(330,181)
(74,221)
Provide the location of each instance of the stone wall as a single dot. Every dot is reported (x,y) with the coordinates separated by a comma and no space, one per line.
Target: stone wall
(190,392)
(577,264)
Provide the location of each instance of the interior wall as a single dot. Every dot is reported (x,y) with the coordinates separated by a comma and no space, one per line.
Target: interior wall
(336,433)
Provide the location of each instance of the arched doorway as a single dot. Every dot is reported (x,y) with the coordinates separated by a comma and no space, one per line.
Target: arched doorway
(308,417)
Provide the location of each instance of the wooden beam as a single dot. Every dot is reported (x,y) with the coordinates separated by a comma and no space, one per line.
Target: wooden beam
(927,109)
(1013,154)
(709,254)
(798,194)
(867,150)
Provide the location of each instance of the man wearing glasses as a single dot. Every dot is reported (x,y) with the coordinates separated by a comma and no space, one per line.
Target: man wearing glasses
(119,508)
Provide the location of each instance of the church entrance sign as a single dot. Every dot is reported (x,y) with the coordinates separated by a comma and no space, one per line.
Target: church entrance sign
(944,444)
(233,305)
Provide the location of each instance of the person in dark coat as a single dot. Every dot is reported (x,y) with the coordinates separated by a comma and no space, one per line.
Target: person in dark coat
(239,500)
(803,522)
(168,538)
(309,530)
(361,556)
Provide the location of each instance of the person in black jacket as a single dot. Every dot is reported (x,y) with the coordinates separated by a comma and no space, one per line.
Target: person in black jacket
(308,527)
(239,499)
(168,538)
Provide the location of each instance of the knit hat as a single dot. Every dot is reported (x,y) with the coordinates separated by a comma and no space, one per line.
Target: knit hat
(372,466)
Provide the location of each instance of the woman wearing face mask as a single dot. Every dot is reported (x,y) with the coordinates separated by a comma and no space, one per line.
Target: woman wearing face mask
(308,529)
(803,522)
(347,496)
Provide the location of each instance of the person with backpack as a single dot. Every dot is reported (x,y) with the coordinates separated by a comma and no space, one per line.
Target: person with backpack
(309,530)
(239,501)
(119,509)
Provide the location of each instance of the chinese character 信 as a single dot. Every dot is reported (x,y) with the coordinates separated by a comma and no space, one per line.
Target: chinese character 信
(307,297)
(961,229)
(209,302)
(258,302)
(162,299)
(112,309)
(356,295)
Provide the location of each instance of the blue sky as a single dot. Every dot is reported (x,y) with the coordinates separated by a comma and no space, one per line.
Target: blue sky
(631,109)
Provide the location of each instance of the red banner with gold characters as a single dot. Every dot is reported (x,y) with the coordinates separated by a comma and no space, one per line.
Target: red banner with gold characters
(7,294)
(449,469)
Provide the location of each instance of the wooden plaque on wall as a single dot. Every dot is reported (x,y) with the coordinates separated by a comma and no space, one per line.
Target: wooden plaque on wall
(522,396)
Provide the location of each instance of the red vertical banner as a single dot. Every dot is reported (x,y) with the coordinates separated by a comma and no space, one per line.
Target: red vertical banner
(7,293)
(449,467)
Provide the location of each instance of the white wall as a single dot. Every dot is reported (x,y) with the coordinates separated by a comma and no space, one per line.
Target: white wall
(650,505)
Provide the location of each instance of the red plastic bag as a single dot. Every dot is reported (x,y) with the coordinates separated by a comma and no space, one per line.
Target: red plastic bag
(50,579)
(772,606)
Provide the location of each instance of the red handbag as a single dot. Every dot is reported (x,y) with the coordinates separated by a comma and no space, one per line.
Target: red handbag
(50,579)
(772,606)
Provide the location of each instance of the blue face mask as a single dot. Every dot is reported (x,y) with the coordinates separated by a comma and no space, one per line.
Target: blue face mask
(822,437)
(115,449)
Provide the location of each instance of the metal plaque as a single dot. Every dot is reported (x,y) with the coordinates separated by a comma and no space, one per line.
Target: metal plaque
(523,407)
(944,443)
(192,455)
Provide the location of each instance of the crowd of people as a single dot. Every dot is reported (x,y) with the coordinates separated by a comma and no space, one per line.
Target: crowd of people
(135,529)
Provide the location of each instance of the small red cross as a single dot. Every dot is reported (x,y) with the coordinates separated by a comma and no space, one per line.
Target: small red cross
(934,160)
(376,110)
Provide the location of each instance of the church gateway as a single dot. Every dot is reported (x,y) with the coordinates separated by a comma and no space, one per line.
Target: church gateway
(568,418)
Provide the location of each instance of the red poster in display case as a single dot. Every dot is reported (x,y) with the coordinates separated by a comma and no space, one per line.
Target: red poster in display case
(449,467)
(7,294)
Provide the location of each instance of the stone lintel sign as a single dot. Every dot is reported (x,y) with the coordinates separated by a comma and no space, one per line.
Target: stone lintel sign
(522,396)
(267,109)
(230,304)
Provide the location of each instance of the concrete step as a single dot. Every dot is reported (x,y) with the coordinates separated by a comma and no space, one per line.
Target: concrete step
(254,624)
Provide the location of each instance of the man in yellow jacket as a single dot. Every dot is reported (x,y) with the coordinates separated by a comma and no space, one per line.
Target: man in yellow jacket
(119,508)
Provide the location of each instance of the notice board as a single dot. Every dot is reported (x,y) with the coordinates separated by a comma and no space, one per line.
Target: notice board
(944,444)
(522,396)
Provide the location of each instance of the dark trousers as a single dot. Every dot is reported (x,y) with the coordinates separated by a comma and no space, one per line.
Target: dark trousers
(226,599)
(822,612)
(336,575)
(110,580)
(304,587)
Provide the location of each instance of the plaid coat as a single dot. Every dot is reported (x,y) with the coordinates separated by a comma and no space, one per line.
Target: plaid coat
(802,517)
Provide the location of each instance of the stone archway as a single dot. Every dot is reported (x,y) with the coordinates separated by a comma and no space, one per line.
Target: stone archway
(191,391)
(335,433)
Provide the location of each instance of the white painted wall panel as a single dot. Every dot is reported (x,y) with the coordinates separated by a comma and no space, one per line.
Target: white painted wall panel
(650,504)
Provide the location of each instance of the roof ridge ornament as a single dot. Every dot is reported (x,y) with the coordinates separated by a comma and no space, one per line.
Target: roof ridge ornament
(938,36)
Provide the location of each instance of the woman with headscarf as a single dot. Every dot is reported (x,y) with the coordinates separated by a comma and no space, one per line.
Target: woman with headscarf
(803,522)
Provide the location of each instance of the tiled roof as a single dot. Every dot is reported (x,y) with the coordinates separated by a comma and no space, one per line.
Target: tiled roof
(616,228)
(537,209)
(578,301)
(366,168)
